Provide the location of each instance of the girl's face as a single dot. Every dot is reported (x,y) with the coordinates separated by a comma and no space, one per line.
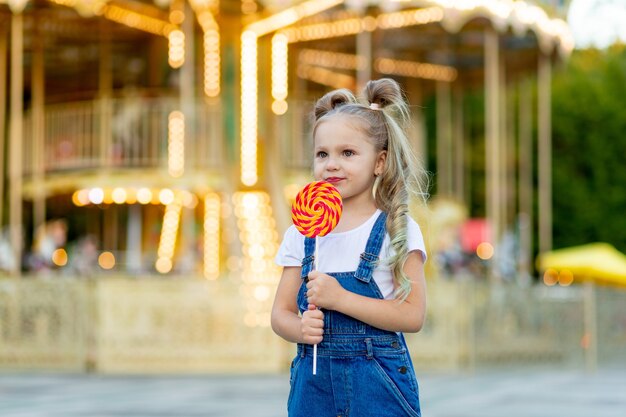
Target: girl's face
(346,158)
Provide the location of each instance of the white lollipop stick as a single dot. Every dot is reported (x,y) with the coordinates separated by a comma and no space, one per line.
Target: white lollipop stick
(315,266)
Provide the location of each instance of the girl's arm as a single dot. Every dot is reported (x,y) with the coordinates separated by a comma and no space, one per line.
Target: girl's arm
(286,322)
(393,315)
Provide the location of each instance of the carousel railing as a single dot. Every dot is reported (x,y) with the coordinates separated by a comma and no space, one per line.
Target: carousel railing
(129,132)
(113,323)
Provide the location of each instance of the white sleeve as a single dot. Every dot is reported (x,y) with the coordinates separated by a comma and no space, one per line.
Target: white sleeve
(291,250)
(415,240)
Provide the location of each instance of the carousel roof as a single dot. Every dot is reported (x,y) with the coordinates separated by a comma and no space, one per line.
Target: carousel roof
(435,32)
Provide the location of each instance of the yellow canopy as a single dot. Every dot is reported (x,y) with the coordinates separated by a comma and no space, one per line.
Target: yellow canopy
(599,262)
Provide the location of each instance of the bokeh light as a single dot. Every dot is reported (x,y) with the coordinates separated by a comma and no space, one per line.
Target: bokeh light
(485,250)
(106,260)
(59,257)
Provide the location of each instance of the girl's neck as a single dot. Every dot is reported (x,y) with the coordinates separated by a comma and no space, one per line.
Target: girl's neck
(355,213)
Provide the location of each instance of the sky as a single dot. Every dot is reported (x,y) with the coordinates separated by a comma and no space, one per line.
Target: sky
(598,23)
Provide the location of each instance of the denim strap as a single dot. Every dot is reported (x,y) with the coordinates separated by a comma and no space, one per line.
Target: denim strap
(369,258)
(309,257)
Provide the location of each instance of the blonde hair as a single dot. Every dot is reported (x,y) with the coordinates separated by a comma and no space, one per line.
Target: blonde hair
(384,115)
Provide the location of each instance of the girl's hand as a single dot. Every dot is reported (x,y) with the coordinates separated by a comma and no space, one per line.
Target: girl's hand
(312,326)
(323,290)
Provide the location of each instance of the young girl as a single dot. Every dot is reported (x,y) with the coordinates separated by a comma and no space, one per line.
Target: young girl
(370,284)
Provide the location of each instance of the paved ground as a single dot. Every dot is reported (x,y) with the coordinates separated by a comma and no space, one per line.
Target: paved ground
(519,393)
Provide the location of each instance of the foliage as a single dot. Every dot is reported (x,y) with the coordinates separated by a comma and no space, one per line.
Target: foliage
(589,149)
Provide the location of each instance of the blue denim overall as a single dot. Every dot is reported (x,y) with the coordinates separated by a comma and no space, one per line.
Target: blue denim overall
(362,371)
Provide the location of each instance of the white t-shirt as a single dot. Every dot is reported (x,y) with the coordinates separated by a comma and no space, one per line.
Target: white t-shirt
(340,252)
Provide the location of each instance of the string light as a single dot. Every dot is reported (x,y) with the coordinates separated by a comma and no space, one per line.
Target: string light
(136,20)
(167,242)
(81,198)
(176,53)
(96,195)
(279,73)
(415,69)
(291,15)
(413,17)
(313,57)
(259,241)
(144,195)
(249,112)
(212,63)
(324,30)
(204,10)
(131,196)
(452,15)
(326,77)
(335,60)
(177,12)
(353,26)
(119,195)
(176,144)
(166,196)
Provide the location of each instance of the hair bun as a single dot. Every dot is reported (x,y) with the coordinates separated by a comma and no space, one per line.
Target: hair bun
(333,100)
(387,94)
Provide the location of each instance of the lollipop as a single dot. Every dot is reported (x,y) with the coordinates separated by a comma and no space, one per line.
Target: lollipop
(316,212)
(317,209)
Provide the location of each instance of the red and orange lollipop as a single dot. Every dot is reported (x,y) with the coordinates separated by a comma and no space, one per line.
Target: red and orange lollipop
(317,209)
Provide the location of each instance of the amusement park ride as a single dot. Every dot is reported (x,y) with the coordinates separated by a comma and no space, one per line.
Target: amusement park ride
(143,139)
(173,133)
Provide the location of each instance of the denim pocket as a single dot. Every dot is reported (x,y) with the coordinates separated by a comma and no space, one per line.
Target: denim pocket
(399,378)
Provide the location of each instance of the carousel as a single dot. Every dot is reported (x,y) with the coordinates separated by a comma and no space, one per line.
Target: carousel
(168,137)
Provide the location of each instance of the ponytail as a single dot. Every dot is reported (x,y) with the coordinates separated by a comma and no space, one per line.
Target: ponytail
(384,111)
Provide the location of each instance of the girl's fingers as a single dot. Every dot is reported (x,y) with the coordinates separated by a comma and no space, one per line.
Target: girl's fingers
(316,331)
(313,275)
(314,340)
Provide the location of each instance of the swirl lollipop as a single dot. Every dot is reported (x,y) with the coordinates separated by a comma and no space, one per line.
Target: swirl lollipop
(316,212)
(317,209)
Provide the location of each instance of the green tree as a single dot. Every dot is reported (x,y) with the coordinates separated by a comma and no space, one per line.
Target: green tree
(589,149)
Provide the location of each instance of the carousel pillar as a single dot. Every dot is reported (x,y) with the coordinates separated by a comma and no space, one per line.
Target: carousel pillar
(458,147)
(3,103)
(511,157)
(187,74)
(133,239)
(419,125)
(188,107)
(15,140)
(444,139)
(503,149)
(525,153)
(38,103)
(105,86)
(492,118)
(544,129)
(364,58)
